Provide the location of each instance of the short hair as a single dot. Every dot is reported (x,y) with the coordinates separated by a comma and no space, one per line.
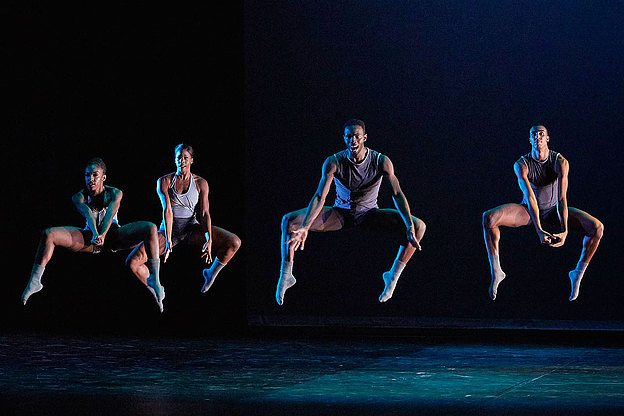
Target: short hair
(184,146)
(98,162)
(354,122)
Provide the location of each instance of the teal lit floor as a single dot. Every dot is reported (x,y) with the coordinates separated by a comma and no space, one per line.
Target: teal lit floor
(63,375)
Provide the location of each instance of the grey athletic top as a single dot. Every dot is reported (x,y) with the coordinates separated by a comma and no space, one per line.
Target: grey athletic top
(544,180)
(183,209)
(357,184)
(183,205)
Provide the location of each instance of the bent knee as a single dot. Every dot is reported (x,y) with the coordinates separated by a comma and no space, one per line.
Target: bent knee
(598,230)
(289,222)
(235,243)
(488,219)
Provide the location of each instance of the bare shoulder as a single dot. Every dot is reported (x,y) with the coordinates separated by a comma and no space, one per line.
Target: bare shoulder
(330,164)
(562,163)
(385,163)
(165,181)
(166,178)
(79,196)
(201,183)
(113,192)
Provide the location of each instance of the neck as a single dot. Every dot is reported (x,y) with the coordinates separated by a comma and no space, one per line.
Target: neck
(183,174)
(360,156)
(540,154)
(95,192)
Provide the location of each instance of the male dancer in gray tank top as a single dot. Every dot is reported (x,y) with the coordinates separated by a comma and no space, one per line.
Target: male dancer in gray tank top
(357,172)
(543,178)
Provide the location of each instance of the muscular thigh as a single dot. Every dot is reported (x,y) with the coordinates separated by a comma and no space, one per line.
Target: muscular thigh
(386,221)
(71,238)
(222,237)
(327,220)
(509,215)
(581,221)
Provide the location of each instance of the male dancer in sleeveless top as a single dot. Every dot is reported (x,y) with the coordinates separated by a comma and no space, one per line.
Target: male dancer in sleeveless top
(357,172)
(184,198)
(99,204)
(543,178)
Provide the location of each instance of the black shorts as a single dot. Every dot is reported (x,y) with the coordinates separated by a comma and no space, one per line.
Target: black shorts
(549,219)
(382,221)
(111,242)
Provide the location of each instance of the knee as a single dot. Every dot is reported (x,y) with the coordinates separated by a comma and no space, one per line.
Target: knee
(153,230)
(235,244)
(47,235)
(599,230)
(421,226)
(134,261)
(488,219)
(288,222)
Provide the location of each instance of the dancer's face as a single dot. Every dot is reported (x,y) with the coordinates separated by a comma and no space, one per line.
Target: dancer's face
(354,138)
(183,161)
(538,137)
(94,179)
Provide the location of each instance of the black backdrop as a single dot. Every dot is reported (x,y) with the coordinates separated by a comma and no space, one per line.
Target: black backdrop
(261,90)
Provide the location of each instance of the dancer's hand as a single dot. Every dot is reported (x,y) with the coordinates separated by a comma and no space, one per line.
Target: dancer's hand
(98,240)
(207,251)
(545,237)
(560,239)
(411,237)
(168,249)
(298,238)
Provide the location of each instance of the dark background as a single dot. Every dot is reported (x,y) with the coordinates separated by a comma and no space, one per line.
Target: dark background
(448,91)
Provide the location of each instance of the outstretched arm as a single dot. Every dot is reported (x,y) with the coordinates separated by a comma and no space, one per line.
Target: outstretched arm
(562,167)
(299,235)
(204,217)
(400,201)
(161,188)
(521,171)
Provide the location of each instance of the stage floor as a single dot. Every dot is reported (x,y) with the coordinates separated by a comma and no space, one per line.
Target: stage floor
(43,374)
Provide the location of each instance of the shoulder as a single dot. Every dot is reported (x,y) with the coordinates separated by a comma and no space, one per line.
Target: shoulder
(384,162)
(331,162)
(520,166)
(202,184)
(561,162)
(112,191)
(79,196)
(165,180)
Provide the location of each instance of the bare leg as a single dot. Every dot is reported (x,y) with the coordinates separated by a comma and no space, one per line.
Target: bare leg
(327,220)
(70,238)
(404,255)
(144,233)
(137,259)
(508,215)
(225,244)
(593,230)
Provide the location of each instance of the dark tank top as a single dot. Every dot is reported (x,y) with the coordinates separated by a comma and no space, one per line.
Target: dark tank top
(357,184)
(544,180)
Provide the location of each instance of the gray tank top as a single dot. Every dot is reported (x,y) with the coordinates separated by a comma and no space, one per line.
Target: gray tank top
(183,205)
(357,184)
(544,180)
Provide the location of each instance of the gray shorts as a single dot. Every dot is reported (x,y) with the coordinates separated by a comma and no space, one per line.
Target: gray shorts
(549,219)
(182,229)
